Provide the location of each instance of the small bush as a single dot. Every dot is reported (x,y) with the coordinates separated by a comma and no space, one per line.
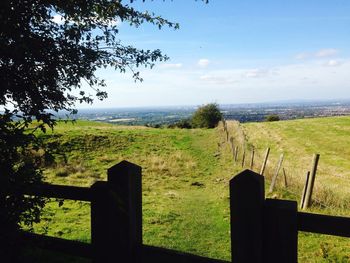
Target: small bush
(184,124)
(207,116)
(272,117)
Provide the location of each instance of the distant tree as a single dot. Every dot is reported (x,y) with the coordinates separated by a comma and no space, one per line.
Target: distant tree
(272,117)
(207,116)
(47,50)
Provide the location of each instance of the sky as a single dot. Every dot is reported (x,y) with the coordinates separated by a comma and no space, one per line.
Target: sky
(230,51)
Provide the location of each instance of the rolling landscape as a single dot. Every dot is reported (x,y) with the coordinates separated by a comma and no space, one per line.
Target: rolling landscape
(185,175)
(253,112)
(174,131)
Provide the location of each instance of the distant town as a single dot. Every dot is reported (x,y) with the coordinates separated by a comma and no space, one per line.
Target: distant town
(155,116)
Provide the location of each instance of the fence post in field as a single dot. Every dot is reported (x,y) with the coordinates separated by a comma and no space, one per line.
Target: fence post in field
(265,161)
(243,158)
(224,124)
(280,231)
(236,154)
(303,195)
(311,182)
(246,206)
(285,178)
(231,143)
(116,215)
(273,182)
(252,159)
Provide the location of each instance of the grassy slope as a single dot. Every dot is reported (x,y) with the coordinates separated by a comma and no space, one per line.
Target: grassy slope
(299,140)
(176,214)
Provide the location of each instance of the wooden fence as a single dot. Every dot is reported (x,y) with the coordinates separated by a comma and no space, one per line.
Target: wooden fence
(262,230)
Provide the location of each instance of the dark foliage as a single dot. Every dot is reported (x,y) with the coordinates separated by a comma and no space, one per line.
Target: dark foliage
(272,117)
(182,124)
(49,48)
(20,162)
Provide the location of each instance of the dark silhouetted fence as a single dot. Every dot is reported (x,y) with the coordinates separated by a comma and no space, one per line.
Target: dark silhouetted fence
(262,230)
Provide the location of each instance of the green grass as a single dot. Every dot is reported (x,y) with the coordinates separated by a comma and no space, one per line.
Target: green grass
(299,140)
(185,183)
(185,187)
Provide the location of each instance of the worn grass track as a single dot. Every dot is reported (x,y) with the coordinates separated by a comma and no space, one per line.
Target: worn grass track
(185,187)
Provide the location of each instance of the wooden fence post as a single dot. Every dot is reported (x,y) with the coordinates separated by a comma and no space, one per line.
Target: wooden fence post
(280,231)
(231,142)
(265,161)
(273,182)
(243,158)
(303,195)
(100,240)
(236,154)
(246,206)
(252,159)
(285,178)
(310,185)
(116,215)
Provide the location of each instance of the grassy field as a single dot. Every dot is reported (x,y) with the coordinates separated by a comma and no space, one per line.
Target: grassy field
(185,187)
(299,140)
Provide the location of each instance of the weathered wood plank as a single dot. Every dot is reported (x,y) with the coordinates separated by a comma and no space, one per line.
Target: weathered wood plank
(303,194)
(310,186)
(274,179)
(265,161)
(236,154)
(285,178)
(243,158)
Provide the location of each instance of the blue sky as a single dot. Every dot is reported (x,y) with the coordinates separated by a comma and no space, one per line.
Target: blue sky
(243,51)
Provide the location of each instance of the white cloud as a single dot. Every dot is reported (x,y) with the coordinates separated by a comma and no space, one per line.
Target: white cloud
(303,55)
(256,73)
(171,66)
(203,62)
(58,19)
(328,52)
(322,53)
(333,63)
(308,80)
(215,79)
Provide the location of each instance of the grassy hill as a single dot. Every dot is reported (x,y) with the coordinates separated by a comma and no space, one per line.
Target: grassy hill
(185,182)
(185,186)
(299,140)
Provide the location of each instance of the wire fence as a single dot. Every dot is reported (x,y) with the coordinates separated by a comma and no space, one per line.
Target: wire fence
(330,189)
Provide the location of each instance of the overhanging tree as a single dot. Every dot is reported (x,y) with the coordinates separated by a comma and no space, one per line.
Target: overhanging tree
(48,48)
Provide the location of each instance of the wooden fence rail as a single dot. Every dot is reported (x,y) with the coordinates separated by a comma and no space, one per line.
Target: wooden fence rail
(60,191)
(262,230)
(323,224)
